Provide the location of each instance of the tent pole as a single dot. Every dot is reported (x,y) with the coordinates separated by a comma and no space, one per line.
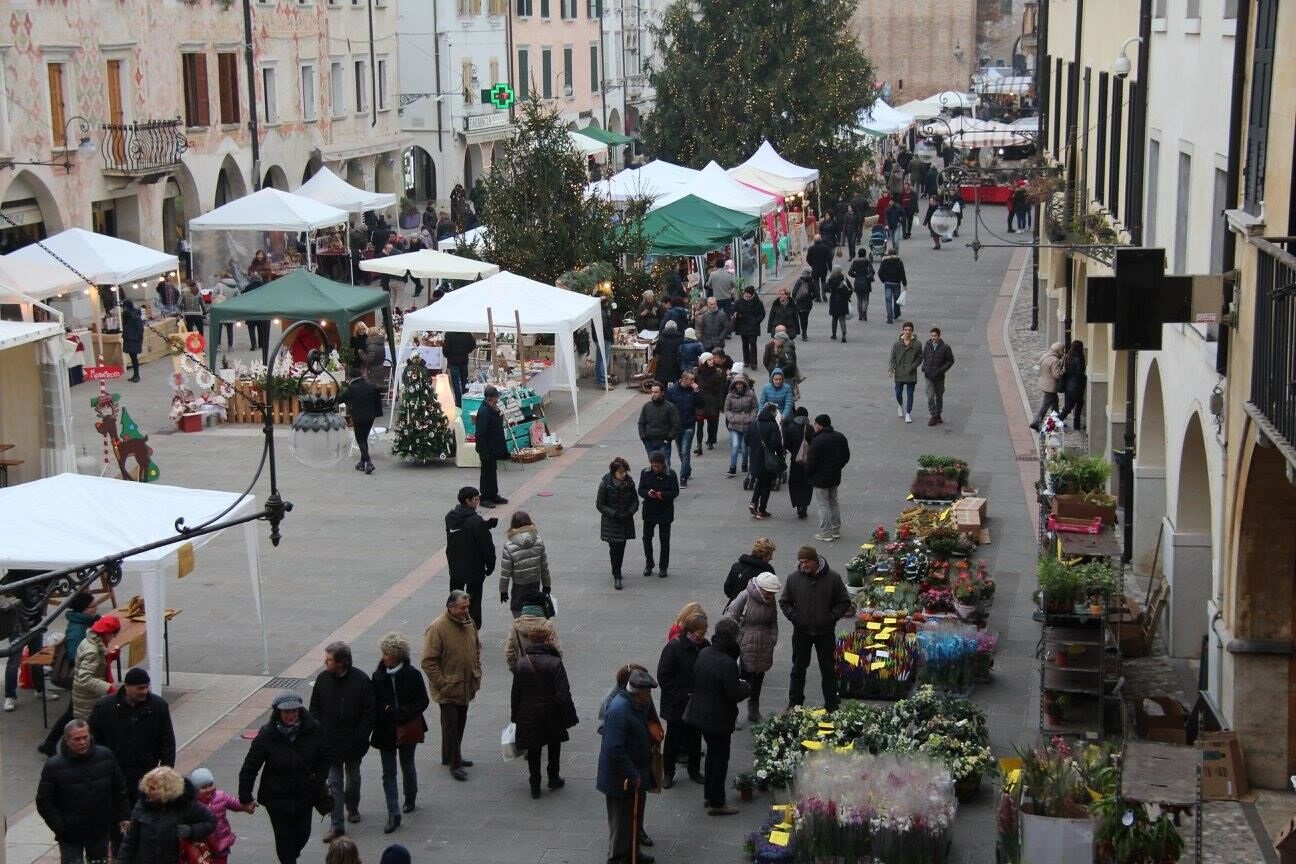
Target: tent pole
(521,352)
(490,328)
(309,244)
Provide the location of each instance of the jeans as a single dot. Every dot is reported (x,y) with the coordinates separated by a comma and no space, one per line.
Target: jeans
(92,851)
(893,237)
(600,370)
(616,556)
(861,305)
(347,794)
(901,388)
(829,511)
(891,291)
(665,529)
(684,443)
(458,381)
(749,350)
(684,738)
(1023,219)
(11,670)
(291,829)
(824,645)
(409,775)
(737,445)
(454,719)
(662,447)
(717,766)
(935,395)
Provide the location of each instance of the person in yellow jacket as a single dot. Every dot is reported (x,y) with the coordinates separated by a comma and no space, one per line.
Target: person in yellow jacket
(452,662)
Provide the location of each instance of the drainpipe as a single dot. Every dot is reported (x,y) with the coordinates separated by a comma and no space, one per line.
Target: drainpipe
(373,75)
(250,63)
(1233,180)
(1042,88)
(602,82)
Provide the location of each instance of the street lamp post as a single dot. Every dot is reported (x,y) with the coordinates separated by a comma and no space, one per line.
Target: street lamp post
(84,149)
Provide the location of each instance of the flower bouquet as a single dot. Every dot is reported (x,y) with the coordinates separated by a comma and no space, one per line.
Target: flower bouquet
(777,746)
(761,851)
(877,660)
(947,660)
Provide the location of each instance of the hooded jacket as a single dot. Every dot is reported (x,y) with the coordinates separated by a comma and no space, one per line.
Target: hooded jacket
(344,708)
(90,676)
(141,736)
(132,329)
(668,365)
(785,314)
(617,502)
(826,456)
(519,638)
(689,352)
(157,827)
(524,563)
(717,689)
(782,356)
(625,753)
(816,602)
(452,660)
(905,361)
(780,396)
(470,550)
(1050,363)
(758,619)
(82,798)
(743,571)
(540,702)
(803,293)
(292,768)
(749,312)
(712,381)
(675,675)
(658,511)
(892,270)
(937,359)
(659,421)
(219,804)
(739,408)
(839,295)
(399,697)
(78,625)
(489,432)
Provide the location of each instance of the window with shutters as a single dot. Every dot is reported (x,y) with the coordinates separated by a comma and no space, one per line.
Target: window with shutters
(337,88)
(466,75)
(1158,8)
(497,7)
(594,8)
(308,107)
(544,8)
(1183,209)
(1219,203)
(568,83)
(596,74)
(1193,9)
(546,73)
(1114,160)
(1100,145)
(269,95)
(196,98)
(494,73)
(522,86)
(383,87)
(525,9)
(1153,192)
(1257,139)
(228,78)
(58,101)
(567,9)
(361,70)
(1055,116)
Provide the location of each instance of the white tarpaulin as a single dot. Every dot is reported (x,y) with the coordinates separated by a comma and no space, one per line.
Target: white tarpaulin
(328,188)
(882,118)
(651,180)
(541,308)
(474,237)
(919,110)
(714,184)
(771,171)
(270,210)
(15,333)
(430,264)
(585,145)
(104,260)
(111,516)
(23,280)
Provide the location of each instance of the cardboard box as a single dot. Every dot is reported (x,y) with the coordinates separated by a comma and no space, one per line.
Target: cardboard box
(1075,507)
(1167,726)
(1132,638)
(1223,771)
(970,514)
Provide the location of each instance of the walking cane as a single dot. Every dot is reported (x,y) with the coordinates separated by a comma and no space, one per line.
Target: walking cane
(634,821)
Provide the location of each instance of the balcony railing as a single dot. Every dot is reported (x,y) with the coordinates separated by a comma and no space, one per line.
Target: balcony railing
(152,147)
(635,85)
(1273,372)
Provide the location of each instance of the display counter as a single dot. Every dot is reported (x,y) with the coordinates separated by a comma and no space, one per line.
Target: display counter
(521,408)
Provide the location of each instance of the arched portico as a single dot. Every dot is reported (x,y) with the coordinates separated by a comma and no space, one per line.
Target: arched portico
(1150,476)
(1186,545)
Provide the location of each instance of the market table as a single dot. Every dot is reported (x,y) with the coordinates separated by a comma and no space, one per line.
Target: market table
(988,194)
(134,630)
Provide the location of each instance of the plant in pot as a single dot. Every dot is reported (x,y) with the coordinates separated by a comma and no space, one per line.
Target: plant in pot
(745,783)
(1080,487)
(1099,582)
(1059,584)
(1055,706)
(1125,834)
(409,213)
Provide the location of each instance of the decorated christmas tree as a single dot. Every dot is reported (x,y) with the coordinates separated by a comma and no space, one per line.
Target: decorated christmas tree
(422,428)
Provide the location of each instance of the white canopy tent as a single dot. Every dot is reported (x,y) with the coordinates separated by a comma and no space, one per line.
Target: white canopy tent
(104,260)
(15,333)
(430,264)
(653,179)
(270,210)
(771,171)
(115,515)
(585,145)
(881,118)
(714,184)
(328,188)
(24,280)
(541,308)
(474,237)
(919,110)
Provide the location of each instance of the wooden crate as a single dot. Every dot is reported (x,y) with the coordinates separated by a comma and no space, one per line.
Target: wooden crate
(242,406)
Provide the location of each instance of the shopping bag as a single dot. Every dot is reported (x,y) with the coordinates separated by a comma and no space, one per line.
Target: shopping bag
(508,743)
(903,299)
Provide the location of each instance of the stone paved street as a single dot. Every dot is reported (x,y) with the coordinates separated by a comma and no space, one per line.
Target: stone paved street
(362,555)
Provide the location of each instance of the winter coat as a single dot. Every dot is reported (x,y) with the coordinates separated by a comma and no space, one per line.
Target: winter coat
(895,181)
(132,330)
(362,400)
(762,436)
(685,400)
(861,270)
(839,296)
(541,701)
(668,365)
(713,327)
(617,503)
(675,675)
(371,361)
(82,798)
(739,408)
(659,421)
(795,430)
(344,707)
(157,827)
(1050,363)
(937,359)
(892,270)
(850,225)
(781,357)
(814,603)
(658,511)
(452,660)
(470,550)
(625,752)
(780,396)
(749,312)
(743,571)
(520,637)
(1074,376)
(523,562)
(785,314)
(489,425)
(689,352)
(678,314)
(222,839)
(292,769)
(90,675)
(78,625)
(141,736)
(649,316)
(457,346)
(828,454)
(712,382)
(758,619)
(819,257)
(399,697)
(717,689)
(191,303)
(905,361)
(803,294)
(828,230)
(722,284)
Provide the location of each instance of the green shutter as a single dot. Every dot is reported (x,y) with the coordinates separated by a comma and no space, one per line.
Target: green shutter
(523,84)
(546,73)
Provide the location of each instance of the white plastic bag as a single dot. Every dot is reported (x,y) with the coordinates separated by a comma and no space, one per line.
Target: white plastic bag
(903,299)
(508,743)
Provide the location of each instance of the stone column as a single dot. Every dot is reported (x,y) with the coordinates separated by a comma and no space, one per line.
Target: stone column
(1188,562)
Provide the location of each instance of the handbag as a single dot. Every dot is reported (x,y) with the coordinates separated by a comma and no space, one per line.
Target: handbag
(63,667)
(323,803)
(803,452)
(411,731)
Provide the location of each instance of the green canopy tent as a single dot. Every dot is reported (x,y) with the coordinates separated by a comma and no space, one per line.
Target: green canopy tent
(693,226)
(299,296)
(603,136)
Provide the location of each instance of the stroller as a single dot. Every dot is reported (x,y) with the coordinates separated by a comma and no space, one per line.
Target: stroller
(877,242)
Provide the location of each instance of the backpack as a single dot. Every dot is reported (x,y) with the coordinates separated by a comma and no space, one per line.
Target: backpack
(63,667)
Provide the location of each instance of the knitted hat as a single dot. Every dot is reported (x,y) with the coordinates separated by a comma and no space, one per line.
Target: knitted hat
(781,336)
(705,356)
(806,271)
(288,700)
(769,582)
(201,777)
(739,368)
(837,268)
(775,371)
(537,611)
(671,327)
(81,601)
(136,676)
(106,625)
(807,553)
(395,854)
(690,333)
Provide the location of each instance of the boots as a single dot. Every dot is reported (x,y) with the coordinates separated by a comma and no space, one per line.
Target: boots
(535,785)
(753,708)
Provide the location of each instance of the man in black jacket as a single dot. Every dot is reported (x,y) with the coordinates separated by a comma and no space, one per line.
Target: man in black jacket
(491,447)
(827,456)
(814,598)
(659,423)
(675,672)
(470,549)
(456,347)
(658,487)
(82,795)
(136,726)
(748,315)
(819,257)
(938,358)
(342,702)
(713,709)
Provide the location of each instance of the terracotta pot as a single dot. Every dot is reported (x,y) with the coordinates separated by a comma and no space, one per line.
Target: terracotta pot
(1095,609)
(966,789)
(1061,659)
(745,794)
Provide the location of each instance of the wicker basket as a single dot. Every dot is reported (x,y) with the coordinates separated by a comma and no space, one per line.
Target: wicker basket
(529,454)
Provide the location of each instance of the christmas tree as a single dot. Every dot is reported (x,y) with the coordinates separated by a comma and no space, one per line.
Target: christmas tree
(422,428)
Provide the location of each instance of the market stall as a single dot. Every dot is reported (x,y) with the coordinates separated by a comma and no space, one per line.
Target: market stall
(769,170)
(692,226)
(650,180)
(431,264)
(714,184)
(880,120)
(919,110)
(327,188)
(474,238)
(114,515)
(34,372)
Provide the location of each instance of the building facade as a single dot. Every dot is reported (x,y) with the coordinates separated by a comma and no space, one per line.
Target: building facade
(160,89)
(919,48)
(557,50)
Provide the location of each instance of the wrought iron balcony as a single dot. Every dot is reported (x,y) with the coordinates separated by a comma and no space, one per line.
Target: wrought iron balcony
(150,149)
(1273,370)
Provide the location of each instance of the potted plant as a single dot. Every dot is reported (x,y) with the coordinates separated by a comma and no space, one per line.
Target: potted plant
(1098,582)
(745,783)
(1055,819)
(1059,584)
(1080,487)
(409,213)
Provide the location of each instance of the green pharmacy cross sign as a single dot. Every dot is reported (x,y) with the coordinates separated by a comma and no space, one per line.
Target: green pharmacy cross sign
(501,95)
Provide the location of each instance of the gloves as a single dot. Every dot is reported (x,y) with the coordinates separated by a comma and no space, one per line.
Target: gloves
(503,596)
(492,522)
(545,589)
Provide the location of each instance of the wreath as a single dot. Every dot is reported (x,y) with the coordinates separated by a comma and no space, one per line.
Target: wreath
(195,343)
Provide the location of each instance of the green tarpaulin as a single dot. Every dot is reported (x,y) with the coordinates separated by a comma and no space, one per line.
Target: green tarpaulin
(299,296)
(605,137)
(692,226)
